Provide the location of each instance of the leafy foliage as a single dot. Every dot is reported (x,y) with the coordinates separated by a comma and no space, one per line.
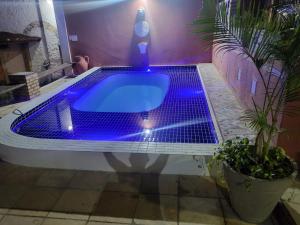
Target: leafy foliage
(266,37)
(238,32)
(241,156)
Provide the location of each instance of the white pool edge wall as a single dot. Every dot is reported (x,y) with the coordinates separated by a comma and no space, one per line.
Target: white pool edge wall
(88,155)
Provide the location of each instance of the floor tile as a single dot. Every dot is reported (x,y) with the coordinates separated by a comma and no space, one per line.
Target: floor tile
(103,223)
(159,184)
(294,210)
(116,207)
(89,180)
(9,195)
(6,169)
(51,221)
(22,176)
(21,220)
(155,209)
(27,213)
(124,182)
(72,216)
(198,186)
(55,178)
(200,211)
(3,210)
(77,201)
(39,198)
(292,194)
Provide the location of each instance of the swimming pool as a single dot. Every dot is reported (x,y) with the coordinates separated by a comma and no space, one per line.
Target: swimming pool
(163,110)
(166,104)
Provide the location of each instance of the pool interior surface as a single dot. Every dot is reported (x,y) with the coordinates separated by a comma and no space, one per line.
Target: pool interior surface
(135,92)
(178,111)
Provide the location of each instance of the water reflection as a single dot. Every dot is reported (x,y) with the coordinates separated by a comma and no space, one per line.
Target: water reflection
(65,116)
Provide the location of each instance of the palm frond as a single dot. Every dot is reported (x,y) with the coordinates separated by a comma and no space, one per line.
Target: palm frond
(256,119)
(282,3)
(246,31)
(265,36)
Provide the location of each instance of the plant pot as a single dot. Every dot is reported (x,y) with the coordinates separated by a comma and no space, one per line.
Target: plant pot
(216,172)
(256,202)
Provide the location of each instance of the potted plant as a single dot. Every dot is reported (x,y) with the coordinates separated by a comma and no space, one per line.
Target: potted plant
(258,173)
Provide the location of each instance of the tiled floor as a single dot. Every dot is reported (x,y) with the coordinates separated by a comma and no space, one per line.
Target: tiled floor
(59,197)
(34,196)
(291,200)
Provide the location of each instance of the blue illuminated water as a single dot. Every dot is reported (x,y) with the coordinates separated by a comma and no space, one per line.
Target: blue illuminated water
(164,104)
(130,93)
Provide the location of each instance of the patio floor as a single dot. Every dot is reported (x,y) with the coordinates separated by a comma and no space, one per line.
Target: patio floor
(34,196)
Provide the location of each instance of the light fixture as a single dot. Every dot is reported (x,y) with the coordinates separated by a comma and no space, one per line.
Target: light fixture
(147,132)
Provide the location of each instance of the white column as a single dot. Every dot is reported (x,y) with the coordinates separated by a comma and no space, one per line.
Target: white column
(62,31)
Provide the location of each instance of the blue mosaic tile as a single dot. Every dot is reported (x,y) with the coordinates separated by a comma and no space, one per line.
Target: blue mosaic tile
(183,117)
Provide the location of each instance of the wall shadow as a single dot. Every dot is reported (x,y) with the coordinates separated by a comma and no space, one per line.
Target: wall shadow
(138,162)
(150,177)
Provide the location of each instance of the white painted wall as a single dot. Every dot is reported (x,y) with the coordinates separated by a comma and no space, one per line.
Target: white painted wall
(21,16)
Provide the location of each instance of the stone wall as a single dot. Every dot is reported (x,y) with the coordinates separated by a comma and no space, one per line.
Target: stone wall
(24,16)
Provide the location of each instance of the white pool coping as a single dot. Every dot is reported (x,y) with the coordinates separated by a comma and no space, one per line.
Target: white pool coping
(11,140)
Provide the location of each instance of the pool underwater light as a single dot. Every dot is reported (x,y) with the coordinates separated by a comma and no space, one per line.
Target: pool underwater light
(147,132)
(70,128)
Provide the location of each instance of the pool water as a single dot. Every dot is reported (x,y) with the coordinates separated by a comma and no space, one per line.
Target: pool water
(131,93)
(165,104)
